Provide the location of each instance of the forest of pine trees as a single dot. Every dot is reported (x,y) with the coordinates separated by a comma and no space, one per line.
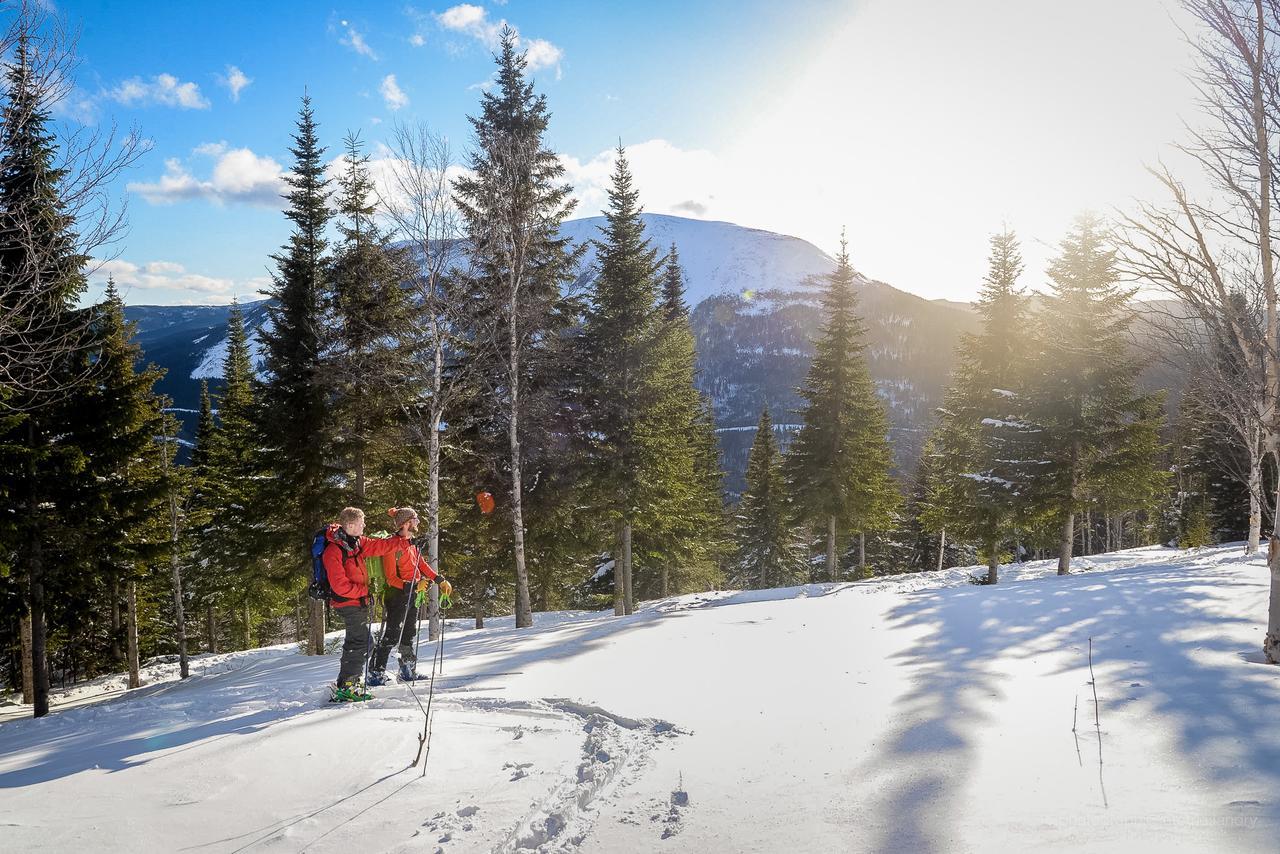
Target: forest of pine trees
(377,384)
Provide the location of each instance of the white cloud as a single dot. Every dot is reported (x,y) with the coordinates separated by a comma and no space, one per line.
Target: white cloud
(163,89)
(235,80)
(354,40)
(417,40)
(671,180)
(180,286)
(470,19)
(238,177)
(541,53)
(474,21)
(392,94)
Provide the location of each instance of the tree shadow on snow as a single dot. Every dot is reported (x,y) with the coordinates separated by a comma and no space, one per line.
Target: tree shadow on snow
(161,720)
(1223,716)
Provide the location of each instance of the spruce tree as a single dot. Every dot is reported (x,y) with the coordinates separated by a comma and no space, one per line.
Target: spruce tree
(770,551)
(512,205)
(1096,434)
(621,354)
(41,279)
(838,466)
(230,539)
(979,485)
(295,415)
(688,535)
(371,359)
(121,495)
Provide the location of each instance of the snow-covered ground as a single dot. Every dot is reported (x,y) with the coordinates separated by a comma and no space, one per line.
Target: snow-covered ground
(915,713)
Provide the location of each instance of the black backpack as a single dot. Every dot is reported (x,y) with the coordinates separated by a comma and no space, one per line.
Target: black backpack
(319,588)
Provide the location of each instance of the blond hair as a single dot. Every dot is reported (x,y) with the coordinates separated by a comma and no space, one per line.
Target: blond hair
(349,515)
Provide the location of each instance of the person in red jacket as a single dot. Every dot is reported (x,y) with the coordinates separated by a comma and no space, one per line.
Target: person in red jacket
(406,572)
(343,559)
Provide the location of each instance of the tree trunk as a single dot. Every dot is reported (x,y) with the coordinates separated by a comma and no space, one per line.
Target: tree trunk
(666,581)
(832,569)
(248,628)
(1088,532)
(359,470)
(28,673)
(1255,500)
(993,561)
(942,548)
(524,610)
(433,496)
(477,590)
(131,634)
(179,613)
(1271,644)
(211,626)
(183,665)
(862,555)
(39,651)
(315,645)
(619,586)
(626,569)
(433,611)
(117,631)
(1066,543)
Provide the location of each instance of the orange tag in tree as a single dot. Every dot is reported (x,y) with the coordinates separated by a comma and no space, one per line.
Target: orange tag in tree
(485,500)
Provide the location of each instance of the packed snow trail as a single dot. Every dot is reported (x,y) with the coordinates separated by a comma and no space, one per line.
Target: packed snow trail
(913,713)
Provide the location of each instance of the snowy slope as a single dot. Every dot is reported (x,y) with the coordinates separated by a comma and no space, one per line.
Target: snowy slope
(720,257)
(915,714)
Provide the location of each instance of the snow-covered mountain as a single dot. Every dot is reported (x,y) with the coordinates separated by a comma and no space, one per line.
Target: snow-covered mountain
(753,296)
(719,257)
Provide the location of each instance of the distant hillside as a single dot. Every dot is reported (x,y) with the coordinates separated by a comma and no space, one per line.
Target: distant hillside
(753,296)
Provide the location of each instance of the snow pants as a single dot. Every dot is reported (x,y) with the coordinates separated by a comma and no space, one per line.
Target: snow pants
(397,629)
(355,649)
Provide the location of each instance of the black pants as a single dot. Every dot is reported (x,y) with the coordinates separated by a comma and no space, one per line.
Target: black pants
(355,649)
(395,601)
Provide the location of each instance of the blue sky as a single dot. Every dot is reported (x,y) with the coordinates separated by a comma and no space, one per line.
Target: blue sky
(797,117)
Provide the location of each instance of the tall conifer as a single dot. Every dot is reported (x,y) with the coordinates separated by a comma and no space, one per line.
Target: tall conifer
(979,484)
(512,204)
(838,466)
(1096,433)
(771,552)
(295,417)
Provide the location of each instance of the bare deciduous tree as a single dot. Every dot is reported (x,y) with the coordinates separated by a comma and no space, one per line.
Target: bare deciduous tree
(1205,252)
(35,343)
(417,196)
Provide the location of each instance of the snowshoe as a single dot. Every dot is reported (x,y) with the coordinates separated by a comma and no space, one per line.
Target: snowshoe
(377,678)
(409,671)
(350,693)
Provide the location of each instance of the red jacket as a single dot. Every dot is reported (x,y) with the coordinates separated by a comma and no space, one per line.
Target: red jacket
(399,570)
(345,566)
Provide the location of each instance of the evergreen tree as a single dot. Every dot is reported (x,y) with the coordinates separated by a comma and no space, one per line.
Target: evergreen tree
(295,415)
(619,339)
(512,205)
(674,307)
(371,358)
(688,536)
(1096,434)
(41,279)
(838,467)
(205,428)
(770,551)
(120,497)
(979,486)
(230,542)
